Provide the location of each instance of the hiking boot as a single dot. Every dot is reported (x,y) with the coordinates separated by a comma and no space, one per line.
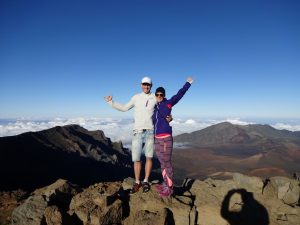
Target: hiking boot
(135,188)
(146,187)
(160,187)
(166,192)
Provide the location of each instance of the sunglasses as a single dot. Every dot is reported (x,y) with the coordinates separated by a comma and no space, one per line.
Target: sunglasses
(159,94)
(146,84)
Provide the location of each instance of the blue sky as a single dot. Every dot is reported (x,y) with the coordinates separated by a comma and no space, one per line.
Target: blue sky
(59,58)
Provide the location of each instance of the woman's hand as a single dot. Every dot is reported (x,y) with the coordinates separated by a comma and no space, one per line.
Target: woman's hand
(169,118)
(190,80)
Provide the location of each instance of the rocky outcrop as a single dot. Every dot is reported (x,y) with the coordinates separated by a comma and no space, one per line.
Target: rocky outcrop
(8,202)
(284,189)
(244,200)
(37,208)
(99,204)
(240,200)
(150,208)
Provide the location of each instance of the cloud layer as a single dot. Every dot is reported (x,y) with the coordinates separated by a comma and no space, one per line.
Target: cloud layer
(120,128)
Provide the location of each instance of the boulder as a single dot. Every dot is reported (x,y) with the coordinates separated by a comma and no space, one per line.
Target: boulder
(9,200)
(252,184)
(150,208)
(32,211)
(98,204)
(56,216)
(283,188)
(150,218)
(208,200)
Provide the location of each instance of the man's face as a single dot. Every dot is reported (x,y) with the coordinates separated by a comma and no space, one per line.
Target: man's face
(146,87)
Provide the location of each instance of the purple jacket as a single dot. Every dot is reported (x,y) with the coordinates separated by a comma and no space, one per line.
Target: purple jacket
(163,109)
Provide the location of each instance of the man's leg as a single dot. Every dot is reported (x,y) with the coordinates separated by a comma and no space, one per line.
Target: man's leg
(136,151)
(137,170)
(149,148)
(148,168)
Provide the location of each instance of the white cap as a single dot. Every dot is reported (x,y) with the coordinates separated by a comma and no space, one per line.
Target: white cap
(147,80)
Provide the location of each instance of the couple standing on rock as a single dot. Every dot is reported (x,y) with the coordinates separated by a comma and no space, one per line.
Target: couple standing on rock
(152,130)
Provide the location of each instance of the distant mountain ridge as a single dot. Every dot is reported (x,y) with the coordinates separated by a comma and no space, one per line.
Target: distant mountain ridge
(221,149)
(35,158)
(90,144)
(227,134)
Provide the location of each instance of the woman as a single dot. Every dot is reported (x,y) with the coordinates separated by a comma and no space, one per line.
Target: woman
(163,135)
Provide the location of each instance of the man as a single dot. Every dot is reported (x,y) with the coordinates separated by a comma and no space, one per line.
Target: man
(143,104)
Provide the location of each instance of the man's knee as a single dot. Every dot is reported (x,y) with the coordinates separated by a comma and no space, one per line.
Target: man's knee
(136,159)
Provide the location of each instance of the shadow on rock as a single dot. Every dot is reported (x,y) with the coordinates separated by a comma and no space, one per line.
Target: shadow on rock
(184,190)
(124,196)
(246,211)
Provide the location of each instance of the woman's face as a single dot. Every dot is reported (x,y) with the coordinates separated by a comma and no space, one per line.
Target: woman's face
(159,96)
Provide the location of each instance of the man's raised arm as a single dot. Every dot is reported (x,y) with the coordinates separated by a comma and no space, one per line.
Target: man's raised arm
(119,106)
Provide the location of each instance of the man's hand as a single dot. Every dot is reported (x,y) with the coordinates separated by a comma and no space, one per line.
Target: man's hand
(190,80)
(108,98)
(169,118)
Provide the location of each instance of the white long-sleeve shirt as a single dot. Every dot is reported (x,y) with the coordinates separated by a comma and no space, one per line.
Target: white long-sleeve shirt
(143,109)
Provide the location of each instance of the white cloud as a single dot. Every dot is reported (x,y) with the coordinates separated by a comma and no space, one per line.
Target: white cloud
(116,129)
(190,121)
(237,121)
(281,126)
(187,126)
(120,128)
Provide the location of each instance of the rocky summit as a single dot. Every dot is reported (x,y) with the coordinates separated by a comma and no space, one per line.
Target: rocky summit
(239,200)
